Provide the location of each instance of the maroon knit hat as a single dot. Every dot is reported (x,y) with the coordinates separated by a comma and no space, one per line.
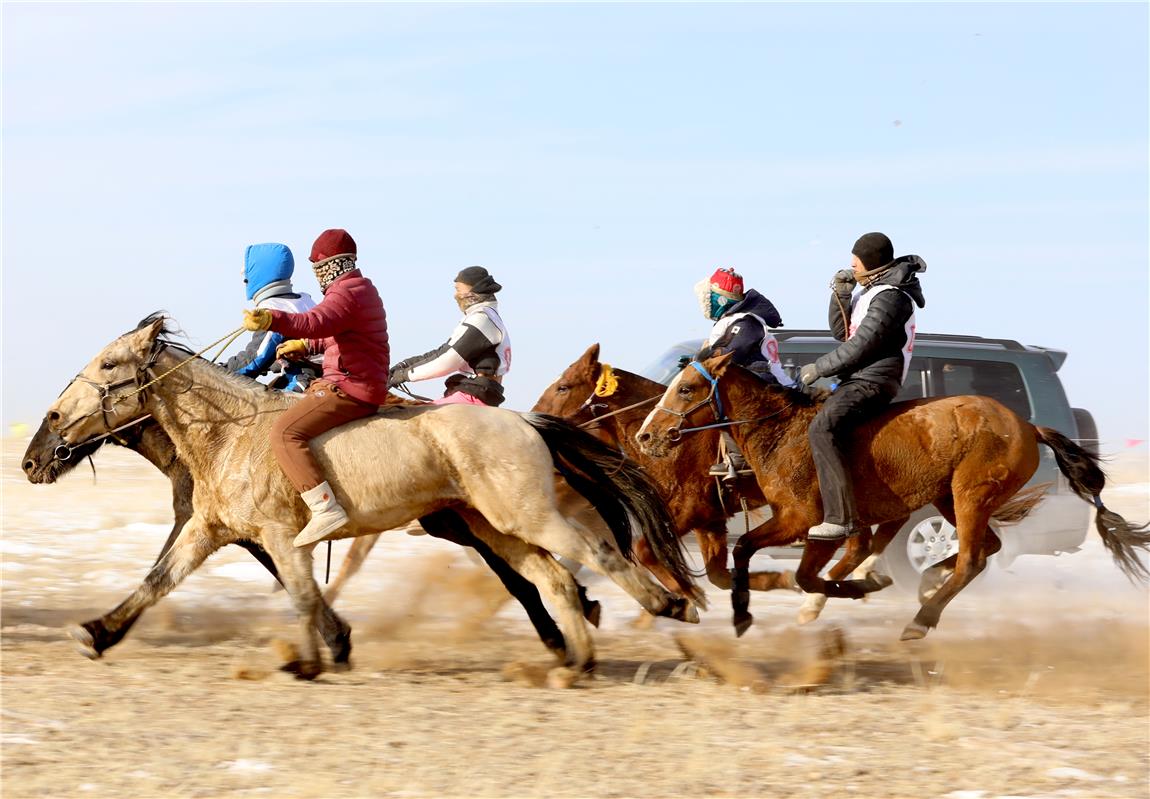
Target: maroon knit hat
(331,243)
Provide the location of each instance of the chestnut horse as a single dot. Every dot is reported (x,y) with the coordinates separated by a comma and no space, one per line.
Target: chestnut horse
(612,404)
(969,456)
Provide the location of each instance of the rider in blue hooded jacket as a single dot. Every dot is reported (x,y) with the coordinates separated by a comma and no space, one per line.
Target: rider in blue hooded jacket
(267,273)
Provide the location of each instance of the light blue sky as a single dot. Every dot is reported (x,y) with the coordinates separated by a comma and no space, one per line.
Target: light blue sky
(599,159)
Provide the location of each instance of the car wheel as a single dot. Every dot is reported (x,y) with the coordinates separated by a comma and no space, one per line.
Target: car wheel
(923,541)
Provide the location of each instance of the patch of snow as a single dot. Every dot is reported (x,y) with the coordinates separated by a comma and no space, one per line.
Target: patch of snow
(248,571)
(245,765)
(1070,773)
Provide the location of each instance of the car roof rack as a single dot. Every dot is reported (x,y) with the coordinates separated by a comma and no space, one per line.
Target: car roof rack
(1005,343)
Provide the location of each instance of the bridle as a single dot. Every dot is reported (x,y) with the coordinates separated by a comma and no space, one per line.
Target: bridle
(716,404)
(141,380)
(606,386)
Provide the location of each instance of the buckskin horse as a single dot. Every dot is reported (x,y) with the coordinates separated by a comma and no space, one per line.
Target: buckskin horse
(387,470)
(969,456)
(48,458)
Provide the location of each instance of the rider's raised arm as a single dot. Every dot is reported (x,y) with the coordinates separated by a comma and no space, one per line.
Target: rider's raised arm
(325,320)
(886,316)
(839,316)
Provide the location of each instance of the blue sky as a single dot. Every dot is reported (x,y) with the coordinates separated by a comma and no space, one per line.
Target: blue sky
(598,159)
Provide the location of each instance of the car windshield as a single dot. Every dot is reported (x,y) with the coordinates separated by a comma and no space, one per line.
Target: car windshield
(664,369)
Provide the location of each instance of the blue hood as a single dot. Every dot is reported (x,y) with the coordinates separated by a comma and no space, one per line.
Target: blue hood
(266,263)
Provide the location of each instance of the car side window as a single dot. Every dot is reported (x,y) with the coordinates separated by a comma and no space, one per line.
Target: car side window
(995,379)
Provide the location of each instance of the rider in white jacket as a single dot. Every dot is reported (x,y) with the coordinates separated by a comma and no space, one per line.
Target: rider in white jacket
(476,355)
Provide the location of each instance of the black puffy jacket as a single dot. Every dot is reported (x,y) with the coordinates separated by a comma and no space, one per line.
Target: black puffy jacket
(875,352)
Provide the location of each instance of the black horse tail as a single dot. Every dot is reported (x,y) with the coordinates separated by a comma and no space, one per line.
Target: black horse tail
(1123,539)
(619,490)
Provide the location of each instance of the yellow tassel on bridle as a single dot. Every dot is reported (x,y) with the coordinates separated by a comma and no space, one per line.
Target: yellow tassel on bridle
(607,383)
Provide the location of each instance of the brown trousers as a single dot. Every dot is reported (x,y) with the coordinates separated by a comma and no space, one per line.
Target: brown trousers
(323,407)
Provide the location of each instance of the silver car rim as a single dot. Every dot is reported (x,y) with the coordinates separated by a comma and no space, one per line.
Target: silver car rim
(931,541)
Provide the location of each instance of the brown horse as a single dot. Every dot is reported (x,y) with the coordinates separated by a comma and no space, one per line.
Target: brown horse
(612,404)
(968,456)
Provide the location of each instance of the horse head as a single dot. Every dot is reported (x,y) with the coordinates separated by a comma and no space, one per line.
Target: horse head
(108,392)
(571,395)
(691,402)
(48,457)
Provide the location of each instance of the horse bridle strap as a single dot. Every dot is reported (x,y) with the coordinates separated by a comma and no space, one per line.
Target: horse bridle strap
(108,402)
(596,419)
(711,399)
(721,420)
(64,451)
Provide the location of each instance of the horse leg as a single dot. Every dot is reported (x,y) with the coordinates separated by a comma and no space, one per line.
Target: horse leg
(781,528)
(352,563)
(553,581)
(295,568)
(816,555)
(195,542)
(713,547)
(857,548)
(450,526)
(862,551)
(647,559)
(976,541)
(592,545)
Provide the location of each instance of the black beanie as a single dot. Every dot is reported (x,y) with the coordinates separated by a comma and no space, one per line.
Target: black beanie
(479,279)
(874,250)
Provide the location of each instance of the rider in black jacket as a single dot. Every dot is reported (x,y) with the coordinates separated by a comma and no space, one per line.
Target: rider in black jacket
(876,327)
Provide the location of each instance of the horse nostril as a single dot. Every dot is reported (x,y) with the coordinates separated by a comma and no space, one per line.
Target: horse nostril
(53,416)
(644,438)
(29,465)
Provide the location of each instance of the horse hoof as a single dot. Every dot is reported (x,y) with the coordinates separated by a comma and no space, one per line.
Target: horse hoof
(83,642)
(807,615)
(914,632)
(592,612)
(303,669)
(562,677)
(742,624)
(876,581)
(339,667)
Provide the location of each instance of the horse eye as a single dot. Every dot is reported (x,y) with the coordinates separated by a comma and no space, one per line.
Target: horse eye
(684,391)
(107,365)
(562,389)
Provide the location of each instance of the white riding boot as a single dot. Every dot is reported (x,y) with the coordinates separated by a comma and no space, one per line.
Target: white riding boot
(327,515)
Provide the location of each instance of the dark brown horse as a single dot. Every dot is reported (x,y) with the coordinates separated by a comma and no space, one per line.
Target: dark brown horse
(613,403)
(48,458)
(968,456)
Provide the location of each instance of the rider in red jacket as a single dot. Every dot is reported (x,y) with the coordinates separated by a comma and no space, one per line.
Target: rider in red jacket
(350,328)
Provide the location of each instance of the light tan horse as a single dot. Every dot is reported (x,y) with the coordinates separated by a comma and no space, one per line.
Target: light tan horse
(494,467)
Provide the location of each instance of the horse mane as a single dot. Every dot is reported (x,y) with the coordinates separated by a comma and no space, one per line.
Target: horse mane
(166,339)
(808,398)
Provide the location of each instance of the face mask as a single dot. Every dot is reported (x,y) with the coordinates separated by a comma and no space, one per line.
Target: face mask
(712,304)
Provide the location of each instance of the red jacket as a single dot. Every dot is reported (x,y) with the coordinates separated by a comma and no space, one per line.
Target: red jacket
(350,328)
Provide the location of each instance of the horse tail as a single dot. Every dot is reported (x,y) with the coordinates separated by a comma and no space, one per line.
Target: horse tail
(1123,539)
(1021,504)
(619,490)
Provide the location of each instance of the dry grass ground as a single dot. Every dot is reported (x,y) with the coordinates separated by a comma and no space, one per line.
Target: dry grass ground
(1032,687)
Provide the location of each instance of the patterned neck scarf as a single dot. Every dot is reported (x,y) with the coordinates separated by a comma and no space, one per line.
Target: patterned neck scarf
(329,269)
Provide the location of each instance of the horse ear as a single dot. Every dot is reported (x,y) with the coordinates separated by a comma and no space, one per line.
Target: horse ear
(718,364)
(591,355)
(143,336)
